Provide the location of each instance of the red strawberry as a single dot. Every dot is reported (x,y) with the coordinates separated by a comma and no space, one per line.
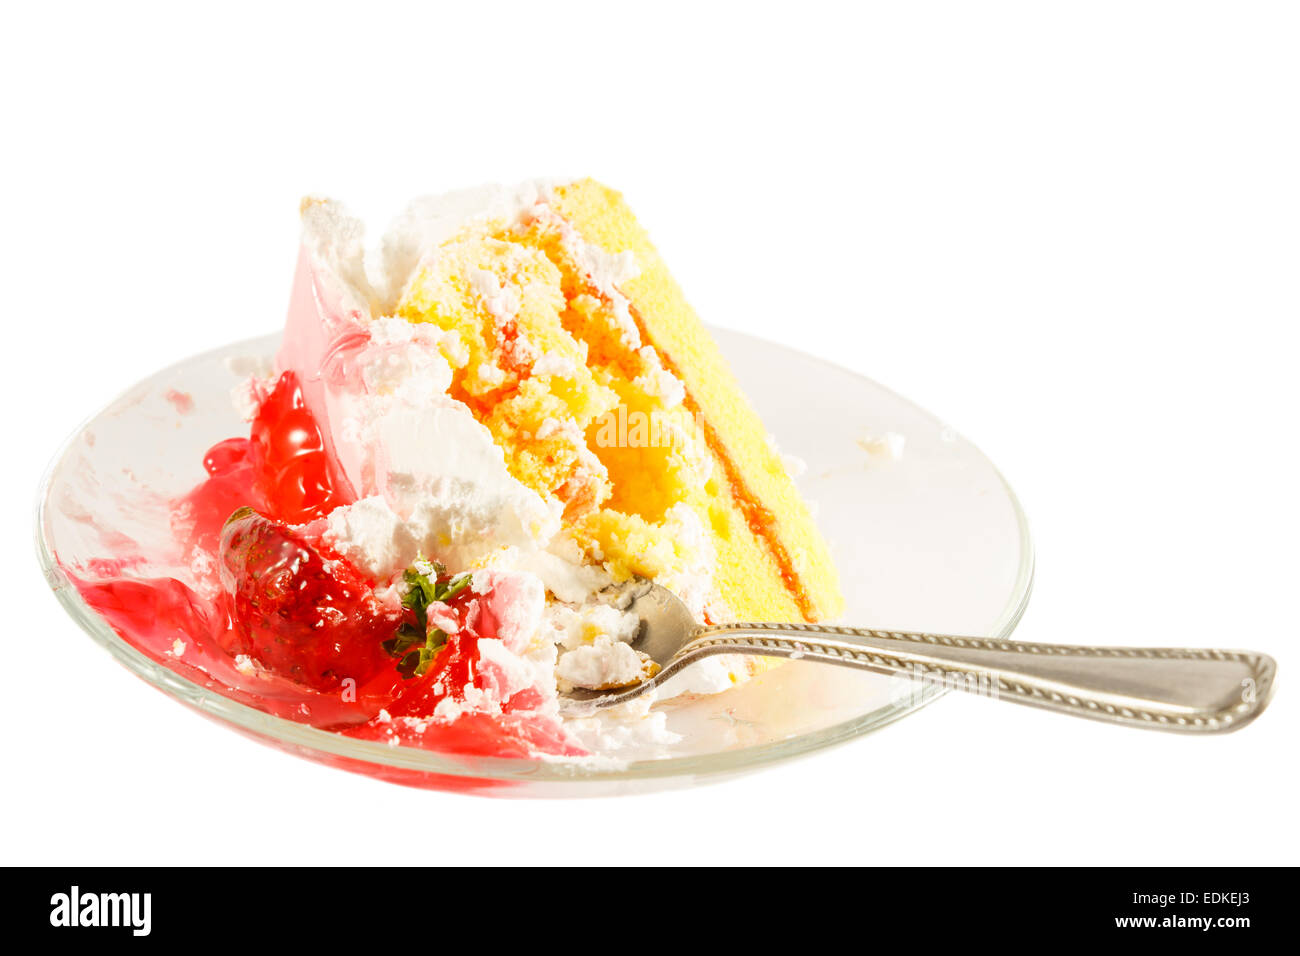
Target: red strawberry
(299,610)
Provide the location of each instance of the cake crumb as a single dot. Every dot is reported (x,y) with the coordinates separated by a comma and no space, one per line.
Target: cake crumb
(888,447)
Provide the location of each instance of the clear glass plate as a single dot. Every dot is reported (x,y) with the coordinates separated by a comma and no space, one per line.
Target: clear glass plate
(929,539)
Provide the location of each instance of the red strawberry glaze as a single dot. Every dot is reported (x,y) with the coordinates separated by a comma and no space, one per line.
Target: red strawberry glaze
(281,470)
(293,474)
(230,636)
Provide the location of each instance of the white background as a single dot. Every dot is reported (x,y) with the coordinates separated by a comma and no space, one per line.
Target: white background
(1069,230)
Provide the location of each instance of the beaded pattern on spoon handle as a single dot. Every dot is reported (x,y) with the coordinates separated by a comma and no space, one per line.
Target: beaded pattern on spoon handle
(747,638)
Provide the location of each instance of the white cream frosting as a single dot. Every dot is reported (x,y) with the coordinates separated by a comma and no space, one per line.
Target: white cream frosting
(434,480)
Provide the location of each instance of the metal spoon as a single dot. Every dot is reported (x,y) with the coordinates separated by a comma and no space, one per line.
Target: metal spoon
(1159,688)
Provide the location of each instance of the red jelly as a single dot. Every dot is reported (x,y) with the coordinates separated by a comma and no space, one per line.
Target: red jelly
(295,476)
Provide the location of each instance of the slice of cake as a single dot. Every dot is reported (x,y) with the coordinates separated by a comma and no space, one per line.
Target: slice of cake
(516,381)
(471,439)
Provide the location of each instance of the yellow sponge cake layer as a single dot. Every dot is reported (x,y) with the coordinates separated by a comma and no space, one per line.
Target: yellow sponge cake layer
(610,397)
(759,520)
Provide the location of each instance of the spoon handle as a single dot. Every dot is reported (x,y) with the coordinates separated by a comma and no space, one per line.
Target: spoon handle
(1187,690)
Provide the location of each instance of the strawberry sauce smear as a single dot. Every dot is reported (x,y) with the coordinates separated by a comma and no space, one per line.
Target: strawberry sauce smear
(276,619)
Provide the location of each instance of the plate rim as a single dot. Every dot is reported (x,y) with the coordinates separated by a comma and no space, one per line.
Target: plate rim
(282,732)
